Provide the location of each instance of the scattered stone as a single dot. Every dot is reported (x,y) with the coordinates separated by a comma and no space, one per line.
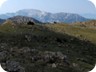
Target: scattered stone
(3,56)
(74,64)
(13,66)
(3,46)
(61,55)
(25,50)
(28,38)
(54,65)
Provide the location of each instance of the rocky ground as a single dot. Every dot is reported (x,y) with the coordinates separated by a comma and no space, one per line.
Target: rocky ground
(37,49)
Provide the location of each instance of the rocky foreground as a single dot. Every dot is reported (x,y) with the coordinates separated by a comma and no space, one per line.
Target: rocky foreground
(37,49)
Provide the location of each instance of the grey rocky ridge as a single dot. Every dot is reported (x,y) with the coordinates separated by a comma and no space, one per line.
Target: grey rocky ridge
(23,20)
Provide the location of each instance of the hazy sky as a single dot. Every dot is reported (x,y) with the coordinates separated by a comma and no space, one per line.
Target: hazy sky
(71,6)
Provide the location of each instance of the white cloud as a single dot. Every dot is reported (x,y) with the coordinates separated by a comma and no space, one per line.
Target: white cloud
(1,2)
(94,2)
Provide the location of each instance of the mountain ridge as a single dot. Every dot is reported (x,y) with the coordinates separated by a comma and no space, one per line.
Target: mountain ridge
(47,16)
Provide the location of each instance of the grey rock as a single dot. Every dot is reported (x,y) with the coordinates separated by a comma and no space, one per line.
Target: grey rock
(13,66)
(61,55)
(25,50)
(3,56)
(54,65)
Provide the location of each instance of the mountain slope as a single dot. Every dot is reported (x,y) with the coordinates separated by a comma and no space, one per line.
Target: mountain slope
(40,48)
(22,20)
(46,16)
(89,24)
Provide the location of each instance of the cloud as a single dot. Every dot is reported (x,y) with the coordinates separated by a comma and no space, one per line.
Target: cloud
(2,1)
(94,2)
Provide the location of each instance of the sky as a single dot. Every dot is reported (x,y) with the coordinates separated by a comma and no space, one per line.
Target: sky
(54,6)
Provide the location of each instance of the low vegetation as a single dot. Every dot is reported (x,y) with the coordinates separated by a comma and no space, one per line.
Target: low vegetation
(84,33)
(47,48)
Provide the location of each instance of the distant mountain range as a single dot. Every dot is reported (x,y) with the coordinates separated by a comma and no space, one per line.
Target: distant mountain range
(46,16)
(1,21)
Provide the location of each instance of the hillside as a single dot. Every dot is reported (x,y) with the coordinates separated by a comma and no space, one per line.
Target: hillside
(46,16)
(44,48)
(81,32)
(89,24)
(22,20)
